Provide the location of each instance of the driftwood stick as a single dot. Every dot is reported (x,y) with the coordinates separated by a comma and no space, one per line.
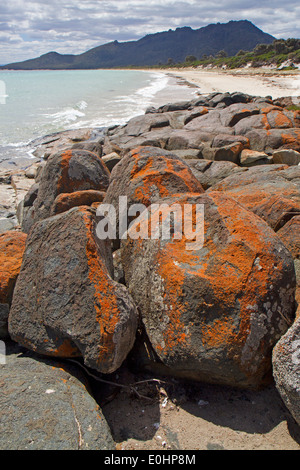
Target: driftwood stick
(130,387)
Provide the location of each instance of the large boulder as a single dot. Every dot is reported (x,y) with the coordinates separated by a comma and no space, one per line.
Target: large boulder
(185,138)
(45,405)
(230,153)
(250,158)
(210,122)
(12,246)
(290,235)
(148,174)
(209,172)
(286,369)
(287,157)
(222,140)
(231,115)
(213,312)
(254,121)
(66,172)
(65,302)
(270,191)
(65,201)
(49,145)
(266,139)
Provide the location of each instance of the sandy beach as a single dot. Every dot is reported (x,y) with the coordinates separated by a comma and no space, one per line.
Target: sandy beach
(259,82)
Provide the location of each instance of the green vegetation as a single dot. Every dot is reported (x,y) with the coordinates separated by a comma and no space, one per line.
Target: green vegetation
(276,53)
(293,107)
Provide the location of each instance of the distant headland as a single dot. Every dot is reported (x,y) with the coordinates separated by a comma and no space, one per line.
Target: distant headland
(161,48)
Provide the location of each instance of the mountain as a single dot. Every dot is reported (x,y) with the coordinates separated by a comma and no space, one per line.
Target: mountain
(157,48)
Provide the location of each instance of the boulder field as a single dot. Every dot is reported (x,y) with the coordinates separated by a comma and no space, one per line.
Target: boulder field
(218,303)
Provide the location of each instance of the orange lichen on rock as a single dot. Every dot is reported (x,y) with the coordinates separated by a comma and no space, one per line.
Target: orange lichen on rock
(269,109)
(220,298)
(107,311)
(170,269)
(64,184)
(291,140)
(256,265)
(218,333)
(137,170)
(162,180)
(70,182)
(265,122)
(296,117)
(66,348)
(12,246)
(281,120)
(66,201)
(278,120)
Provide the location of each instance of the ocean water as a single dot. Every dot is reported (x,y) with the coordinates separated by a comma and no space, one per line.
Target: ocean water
(38,103)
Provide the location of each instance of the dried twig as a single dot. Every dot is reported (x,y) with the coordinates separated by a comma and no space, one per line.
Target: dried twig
(130,387)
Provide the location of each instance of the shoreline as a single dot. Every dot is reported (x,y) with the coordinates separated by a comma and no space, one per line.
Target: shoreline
(158,90)
(256,82)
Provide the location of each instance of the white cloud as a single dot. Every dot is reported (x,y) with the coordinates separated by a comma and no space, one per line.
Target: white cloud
(35,27)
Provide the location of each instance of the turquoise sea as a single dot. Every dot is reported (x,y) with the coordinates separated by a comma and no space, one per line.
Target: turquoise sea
(38,103)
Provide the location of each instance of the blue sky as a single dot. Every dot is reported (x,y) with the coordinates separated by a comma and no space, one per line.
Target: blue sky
(29,28)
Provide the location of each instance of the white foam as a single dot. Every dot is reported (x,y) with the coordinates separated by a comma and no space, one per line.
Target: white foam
(17,144)
(66,116)
(160,82)
(124,107)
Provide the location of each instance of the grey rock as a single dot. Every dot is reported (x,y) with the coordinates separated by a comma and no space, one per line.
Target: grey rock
(248,123)
(111,160)
(229,152)
(94,147)
(145,123)
(118,267)
(222,140)
(209,173)
(188,154)
(145,175)
(240,97)
(287,156)
(213,311)
(252,157)
(65,172)
(237,112)
(290,235)
(224,98)
(31,195)
(270,191)
(45,405)
(179,106)
(65,302)
(7,224)
(286,369)
(59,141)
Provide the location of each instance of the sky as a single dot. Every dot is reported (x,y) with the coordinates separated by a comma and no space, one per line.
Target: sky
(30,28)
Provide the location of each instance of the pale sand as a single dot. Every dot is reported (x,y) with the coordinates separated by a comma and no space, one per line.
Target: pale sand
(197,416)
(253,82)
